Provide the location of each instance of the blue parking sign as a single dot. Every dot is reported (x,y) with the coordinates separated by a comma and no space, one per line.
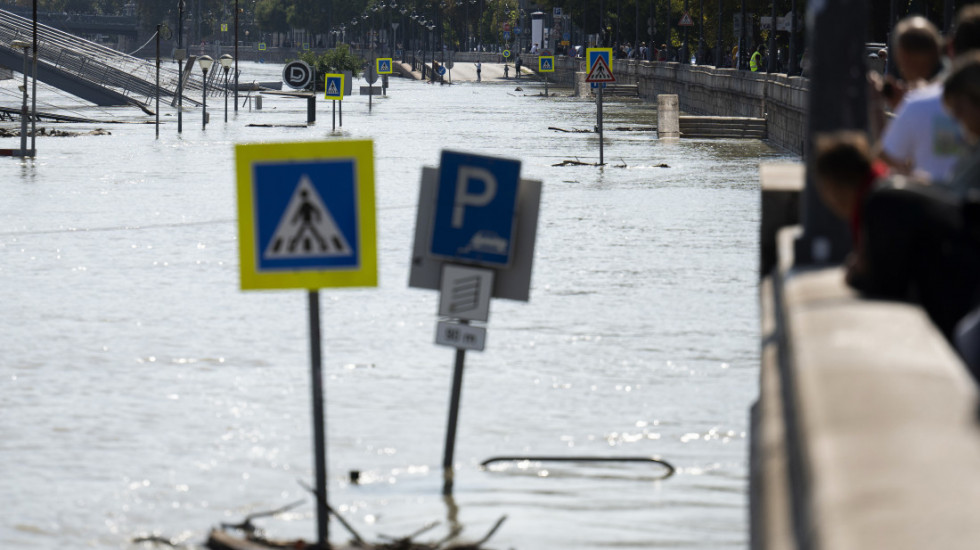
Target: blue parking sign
(475,209)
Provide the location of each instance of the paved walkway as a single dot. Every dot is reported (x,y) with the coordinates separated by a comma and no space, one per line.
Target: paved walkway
(491,72)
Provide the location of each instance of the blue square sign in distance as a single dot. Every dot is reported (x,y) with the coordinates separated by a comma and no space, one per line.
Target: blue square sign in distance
(475,209)
(308,217)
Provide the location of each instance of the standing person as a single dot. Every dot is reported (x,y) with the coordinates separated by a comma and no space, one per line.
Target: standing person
(479,68)
(517,68)
(756,62)
(923,138)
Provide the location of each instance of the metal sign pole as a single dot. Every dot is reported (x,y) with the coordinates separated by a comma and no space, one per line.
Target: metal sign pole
(158,84)
(599,117)
(447,460)
(340,114)
(334,117)
(319,428)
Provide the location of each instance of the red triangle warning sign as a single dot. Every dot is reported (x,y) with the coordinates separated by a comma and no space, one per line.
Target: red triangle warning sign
(686,21)
(600,72)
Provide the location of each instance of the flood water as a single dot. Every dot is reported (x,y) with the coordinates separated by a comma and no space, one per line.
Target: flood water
(141,392)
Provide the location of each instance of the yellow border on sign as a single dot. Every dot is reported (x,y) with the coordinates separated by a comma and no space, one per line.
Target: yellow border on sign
(334,75)
(377,66)
(598,50)
(261,46)
(540,66)
(362,152)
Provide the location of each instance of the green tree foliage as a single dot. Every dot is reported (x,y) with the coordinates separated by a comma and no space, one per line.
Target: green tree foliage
(336,60)
(271,16)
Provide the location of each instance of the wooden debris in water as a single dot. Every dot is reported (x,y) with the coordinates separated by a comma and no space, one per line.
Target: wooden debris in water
(575,131)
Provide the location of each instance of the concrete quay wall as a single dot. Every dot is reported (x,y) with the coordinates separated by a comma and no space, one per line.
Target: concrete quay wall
(704,90)
(865,433)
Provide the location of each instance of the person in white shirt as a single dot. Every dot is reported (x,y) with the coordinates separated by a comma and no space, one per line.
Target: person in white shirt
(924,139)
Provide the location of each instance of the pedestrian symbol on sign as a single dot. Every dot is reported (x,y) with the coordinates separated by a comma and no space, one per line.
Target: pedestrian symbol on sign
(334,87)
(306,229)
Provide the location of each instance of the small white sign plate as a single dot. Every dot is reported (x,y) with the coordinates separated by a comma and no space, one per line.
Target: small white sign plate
(465,292)
(460,336)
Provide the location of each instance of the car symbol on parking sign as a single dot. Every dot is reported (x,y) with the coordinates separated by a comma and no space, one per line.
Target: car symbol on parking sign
(475,209)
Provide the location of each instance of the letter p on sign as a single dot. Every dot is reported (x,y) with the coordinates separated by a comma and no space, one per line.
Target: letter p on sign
(465,198)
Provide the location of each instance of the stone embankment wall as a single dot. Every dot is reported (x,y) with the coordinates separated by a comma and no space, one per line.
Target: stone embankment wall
(780,99)
(704,90)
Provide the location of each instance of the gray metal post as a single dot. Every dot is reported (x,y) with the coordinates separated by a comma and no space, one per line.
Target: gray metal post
(687,51)
(719,48)
(794,67)
(34,78)
(334,116)
(837,102)
(743,40)
(311,109)
(340,113)
(180,66)
(24,114)
(319,425)
(236,56)
(226,94)
(599,117)
(158,85)
(771,65)
(204,114)
(447,459)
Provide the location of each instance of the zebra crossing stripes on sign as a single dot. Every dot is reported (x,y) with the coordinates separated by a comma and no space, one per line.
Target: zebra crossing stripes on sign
(307,229)
(600,72)
(333,86)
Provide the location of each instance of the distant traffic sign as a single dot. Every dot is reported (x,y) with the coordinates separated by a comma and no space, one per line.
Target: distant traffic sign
(546,64)
(506,36)
(334,87)
(297,74)
(384,65)
(306,215)
(506,54)
(591,54)
(224,27)
(475,209)
(600,72)
(686,21)
(261,46)
(442,70)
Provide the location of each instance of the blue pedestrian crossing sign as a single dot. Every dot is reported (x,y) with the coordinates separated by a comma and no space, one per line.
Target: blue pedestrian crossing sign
(306,216)
(333,87)
(384,65)
(475,209)
(546,64)
(592,55)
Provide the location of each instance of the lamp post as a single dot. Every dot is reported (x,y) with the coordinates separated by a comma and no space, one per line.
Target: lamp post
(180,54)
(205,62)
(236,64)
(226,61)
(26,46)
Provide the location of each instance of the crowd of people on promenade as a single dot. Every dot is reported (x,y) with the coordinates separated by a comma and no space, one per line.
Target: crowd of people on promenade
(909,187)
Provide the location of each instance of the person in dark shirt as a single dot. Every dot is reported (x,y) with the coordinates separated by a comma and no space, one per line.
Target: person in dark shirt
(911,240)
